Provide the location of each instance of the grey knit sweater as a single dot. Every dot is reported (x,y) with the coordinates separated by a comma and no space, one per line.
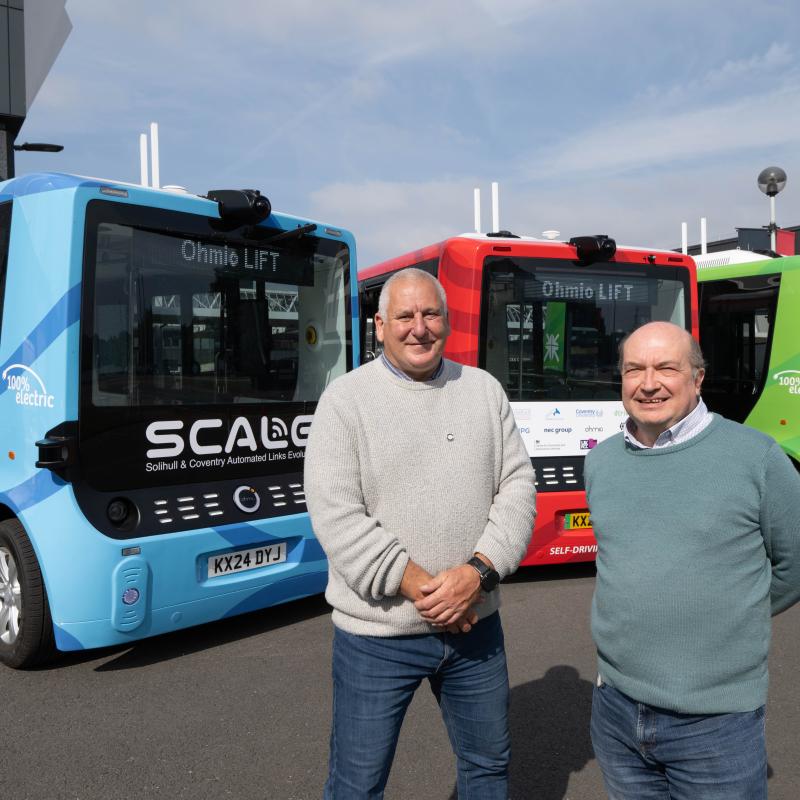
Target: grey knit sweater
(432,471)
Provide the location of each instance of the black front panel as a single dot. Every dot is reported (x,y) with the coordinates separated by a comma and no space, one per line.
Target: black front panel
(550,330)
(203,356)
(194,445)
(167,509)
(559,474)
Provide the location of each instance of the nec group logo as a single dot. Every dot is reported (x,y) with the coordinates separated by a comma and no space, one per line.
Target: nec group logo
(208,437)
(559,429)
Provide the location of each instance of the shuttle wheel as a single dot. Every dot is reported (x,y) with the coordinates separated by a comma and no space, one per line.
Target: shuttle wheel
(26,630)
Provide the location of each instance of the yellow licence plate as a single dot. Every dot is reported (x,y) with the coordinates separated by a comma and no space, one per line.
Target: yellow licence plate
(577,520)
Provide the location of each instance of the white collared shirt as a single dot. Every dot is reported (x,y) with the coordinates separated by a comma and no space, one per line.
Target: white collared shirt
(400,374)
(683,430)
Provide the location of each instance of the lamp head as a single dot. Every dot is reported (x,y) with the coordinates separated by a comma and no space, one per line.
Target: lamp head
(771,181)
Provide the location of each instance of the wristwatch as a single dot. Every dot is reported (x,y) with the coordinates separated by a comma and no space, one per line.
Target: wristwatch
(489,577)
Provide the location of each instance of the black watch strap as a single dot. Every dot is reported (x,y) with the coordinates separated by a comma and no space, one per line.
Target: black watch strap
(489,577)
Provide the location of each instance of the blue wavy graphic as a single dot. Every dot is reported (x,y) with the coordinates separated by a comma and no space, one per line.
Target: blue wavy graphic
(64,313)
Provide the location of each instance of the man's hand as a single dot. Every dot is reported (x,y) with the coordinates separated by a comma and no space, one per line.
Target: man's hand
(449,596)
(413,579)
(464,624)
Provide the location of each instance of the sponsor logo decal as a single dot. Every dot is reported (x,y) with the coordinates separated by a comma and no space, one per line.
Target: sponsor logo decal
(588,444)
(589,412)
(789,379)
(552,347)
(207,444)
(27,392)
(573,549)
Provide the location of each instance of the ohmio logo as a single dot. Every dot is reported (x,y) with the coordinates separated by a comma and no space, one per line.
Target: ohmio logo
(206,437)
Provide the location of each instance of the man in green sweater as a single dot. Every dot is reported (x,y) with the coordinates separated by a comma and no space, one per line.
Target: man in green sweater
(421,492)
(697,521)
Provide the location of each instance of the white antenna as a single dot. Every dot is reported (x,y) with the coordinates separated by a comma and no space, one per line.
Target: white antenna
(143,159)
(156,182)
(551,235)
(495,207)
(476,194)
(684,238)
(703,240)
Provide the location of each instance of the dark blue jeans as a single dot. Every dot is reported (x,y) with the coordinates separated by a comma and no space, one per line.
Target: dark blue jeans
(648,753)
(374,679)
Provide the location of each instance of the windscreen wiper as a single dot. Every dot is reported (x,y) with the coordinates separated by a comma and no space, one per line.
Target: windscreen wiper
(295,233)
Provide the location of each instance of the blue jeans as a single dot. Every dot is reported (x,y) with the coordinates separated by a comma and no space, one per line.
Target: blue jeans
(374,679)
(648,753)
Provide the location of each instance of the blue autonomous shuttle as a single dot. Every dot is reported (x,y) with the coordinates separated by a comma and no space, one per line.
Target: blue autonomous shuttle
(161,357)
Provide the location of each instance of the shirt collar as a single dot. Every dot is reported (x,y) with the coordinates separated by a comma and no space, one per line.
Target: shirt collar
(400,374)
(683,430)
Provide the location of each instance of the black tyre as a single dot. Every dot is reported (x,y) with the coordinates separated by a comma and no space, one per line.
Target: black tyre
(26,630)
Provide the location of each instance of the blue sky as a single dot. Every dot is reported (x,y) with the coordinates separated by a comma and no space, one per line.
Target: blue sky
(624,117)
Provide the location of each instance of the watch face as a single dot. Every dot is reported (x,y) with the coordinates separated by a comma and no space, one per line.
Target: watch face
(490,580)
(488,576)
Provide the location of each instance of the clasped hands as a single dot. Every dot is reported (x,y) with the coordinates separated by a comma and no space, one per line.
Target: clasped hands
(445,600)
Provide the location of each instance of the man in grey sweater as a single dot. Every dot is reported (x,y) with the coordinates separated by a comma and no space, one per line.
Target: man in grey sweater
(421,493)
(697,521)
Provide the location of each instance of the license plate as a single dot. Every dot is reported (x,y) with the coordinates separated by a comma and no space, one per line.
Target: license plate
(577,520)
(243,560)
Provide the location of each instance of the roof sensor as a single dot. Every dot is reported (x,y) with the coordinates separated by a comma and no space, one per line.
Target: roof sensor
(593,248)
(239,207)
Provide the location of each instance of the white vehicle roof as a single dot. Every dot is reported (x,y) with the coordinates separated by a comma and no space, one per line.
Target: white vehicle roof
(486,237)
(723,258)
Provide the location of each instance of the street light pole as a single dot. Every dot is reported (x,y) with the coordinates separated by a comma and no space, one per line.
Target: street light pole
(8,147)
(6,153)
(773,227)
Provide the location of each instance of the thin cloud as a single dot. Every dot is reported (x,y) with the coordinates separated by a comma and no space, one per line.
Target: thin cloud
(390,218)
(394,217)
(660,139)
(775,65)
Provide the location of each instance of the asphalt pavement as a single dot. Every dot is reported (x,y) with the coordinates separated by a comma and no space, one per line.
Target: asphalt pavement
(241,709)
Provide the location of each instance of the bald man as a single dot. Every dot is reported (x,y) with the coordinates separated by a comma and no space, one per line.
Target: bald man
(696,519)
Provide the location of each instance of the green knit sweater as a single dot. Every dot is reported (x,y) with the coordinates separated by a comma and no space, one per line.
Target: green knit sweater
(698,544)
